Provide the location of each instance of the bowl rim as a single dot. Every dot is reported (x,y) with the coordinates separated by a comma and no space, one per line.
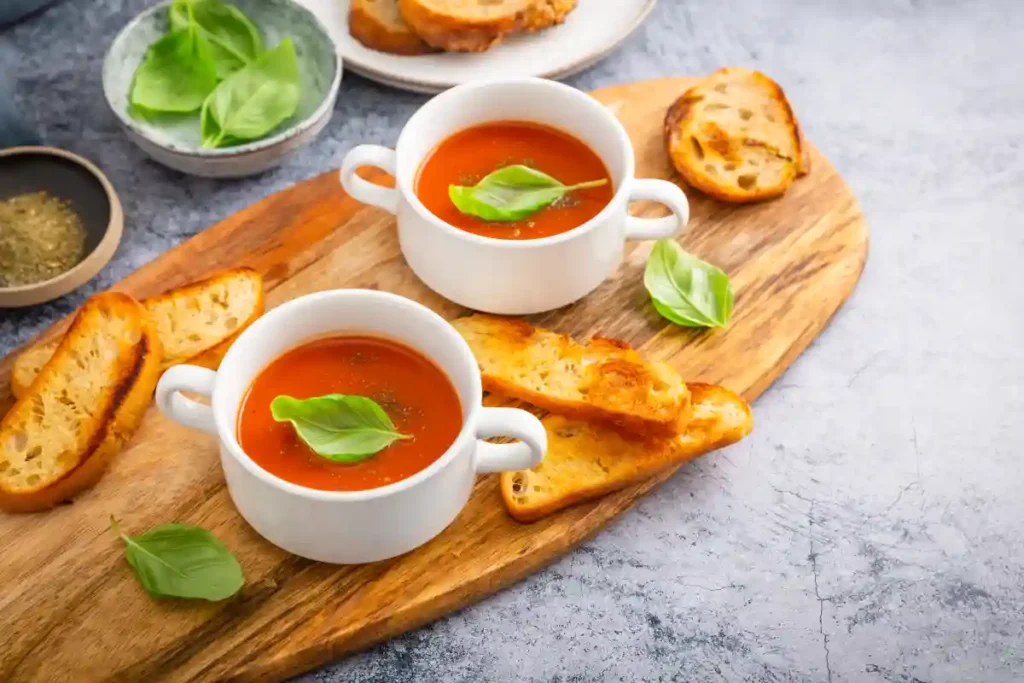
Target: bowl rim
(238,150)
(94,261)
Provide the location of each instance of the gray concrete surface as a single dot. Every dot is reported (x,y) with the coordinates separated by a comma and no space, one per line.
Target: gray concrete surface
(871,528)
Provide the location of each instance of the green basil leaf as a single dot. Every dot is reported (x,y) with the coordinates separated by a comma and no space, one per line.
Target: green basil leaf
(338,427)
(234,39)
(254,100)
(512,193)
(182,561)
(686,290)
(176,75)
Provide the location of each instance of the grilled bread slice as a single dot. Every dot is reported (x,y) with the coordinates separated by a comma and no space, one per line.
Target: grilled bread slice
(734,136)
(603,379)
(86,403)
(586,461)
(471,26)
(379,25)
(196,323)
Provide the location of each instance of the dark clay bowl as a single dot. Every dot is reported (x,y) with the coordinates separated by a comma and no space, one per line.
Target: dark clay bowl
(90,194)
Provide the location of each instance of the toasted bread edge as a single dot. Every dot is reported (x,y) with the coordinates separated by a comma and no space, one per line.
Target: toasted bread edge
(133,393)
(366,29)
(698,391)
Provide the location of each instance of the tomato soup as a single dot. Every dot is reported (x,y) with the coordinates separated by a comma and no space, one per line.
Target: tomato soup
(469,155)
(415,393)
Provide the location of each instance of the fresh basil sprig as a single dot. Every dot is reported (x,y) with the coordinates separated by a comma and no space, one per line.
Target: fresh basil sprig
(251,102)
(512,193)
(686,290)
(234,40)
(176,75)
(338,427)
(182,561)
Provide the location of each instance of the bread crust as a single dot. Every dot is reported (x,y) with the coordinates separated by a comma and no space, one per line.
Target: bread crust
(243,277)
(683,125)
(603,379)
(462,32)
(121,403)
(369,30)
(28,363)
(632,460)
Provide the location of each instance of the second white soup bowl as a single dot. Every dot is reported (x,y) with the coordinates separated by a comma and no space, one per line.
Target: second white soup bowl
(350,527)
(514,277)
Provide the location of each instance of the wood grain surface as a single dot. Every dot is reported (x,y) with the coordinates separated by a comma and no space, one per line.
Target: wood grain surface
(70,608)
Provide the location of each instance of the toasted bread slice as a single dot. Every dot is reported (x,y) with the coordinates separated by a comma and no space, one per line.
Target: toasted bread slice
(585,460)
(470,26)
(379,25)
(603,379)
(86,403)
(734,137)
(196,323)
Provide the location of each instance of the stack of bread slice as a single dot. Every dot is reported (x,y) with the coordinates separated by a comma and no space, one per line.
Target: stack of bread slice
(413,27)
(81,398)
(615,419)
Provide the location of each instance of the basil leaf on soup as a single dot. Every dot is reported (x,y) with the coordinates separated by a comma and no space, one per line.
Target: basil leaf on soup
(176,75)
(338,427)
(686,290)
(254,100)
(182,561)
(234,39)
(512,193)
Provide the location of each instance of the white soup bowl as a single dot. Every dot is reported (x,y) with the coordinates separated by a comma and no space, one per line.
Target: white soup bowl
(350,527)
(514,277)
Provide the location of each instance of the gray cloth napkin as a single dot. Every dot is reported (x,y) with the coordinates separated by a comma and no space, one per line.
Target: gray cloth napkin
(14,129)
(13,10)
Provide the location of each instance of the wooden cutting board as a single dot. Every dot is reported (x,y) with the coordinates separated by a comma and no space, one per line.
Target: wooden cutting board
(70,608)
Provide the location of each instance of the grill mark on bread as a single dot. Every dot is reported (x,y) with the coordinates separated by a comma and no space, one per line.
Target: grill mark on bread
(109,415)
(734,137)
(600,379)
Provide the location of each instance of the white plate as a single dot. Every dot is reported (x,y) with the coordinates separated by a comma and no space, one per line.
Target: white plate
(590,32)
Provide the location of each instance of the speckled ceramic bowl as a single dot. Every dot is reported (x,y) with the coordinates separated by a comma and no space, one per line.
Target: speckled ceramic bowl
(78,182)
(177,144)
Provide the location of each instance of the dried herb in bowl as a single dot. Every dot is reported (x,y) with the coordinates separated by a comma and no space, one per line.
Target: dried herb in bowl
(41,237)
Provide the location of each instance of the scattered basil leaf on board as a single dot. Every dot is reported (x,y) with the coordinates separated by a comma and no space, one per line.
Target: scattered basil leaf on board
(176,75)
(686,290)
(182,561)
(234,40)
(254,100)
(512,193)
(338,427)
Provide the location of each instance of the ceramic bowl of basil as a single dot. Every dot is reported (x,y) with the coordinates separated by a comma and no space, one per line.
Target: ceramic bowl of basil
(222,89)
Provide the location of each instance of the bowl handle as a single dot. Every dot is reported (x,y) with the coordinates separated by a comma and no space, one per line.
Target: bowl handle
(183,410)
(663,192)
(363,190)
(506,457)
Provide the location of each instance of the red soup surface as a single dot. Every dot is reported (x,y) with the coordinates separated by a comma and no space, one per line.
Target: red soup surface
(415,393)
(469,155)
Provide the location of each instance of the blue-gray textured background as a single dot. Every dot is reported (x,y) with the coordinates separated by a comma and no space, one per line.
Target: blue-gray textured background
(871,528)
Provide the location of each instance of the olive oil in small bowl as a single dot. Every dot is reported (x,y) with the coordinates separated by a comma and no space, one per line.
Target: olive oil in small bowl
(60,222)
